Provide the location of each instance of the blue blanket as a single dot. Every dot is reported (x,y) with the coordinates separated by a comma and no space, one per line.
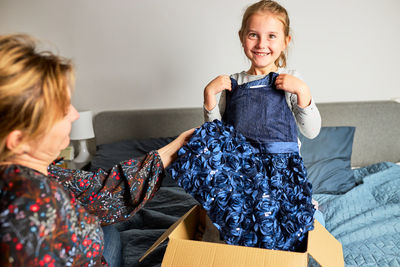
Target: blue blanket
(366,219)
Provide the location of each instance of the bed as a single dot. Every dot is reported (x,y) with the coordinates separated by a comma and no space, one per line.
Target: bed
(351,164)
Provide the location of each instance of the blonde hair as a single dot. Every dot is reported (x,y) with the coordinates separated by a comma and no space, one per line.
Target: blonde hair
(34,89)
(268,6)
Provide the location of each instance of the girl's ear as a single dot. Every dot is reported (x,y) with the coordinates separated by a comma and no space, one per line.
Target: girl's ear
(14,142)
(240,37)
(287,40)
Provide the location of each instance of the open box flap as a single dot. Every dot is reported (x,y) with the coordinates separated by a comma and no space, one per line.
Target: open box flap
(183,253)
(324,248)
(167,233)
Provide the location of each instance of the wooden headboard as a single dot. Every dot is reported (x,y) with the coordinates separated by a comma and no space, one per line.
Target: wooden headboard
(377,123)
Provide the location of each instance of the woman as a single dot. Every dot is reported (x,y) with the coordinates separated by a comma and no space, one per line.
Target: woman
(51,216)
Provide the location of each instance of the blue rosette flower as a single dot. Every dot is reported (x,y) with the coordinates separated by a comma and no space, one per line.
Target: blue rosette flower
(250,239)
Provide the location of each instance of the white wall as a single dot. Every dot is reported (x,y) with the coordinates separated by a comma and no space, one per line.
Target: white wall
(160,54)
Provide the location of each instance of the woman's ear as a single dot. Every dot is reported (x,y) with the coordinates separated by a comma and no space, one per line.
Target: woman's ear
(14,142)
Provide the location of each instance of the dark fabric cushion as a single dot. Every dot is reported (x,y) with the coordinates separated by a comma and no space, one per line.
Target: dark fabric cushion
(327,159)
(107,155)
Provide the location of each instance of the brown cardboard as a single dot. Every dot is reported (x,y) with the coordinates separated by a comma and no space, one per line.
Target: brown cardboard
(183,251)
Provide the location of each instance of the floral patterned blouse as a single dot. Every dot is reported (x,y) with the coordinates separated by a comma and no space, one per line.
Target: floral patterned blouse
(56,220)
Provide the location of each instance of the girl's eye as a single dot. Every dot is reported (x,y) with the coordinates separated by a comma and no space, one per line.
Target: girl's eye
(252,35)
(272,36)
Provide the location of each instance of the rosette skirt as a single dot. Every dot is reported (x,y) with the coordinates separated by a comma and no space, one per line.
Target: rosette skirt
(254,199)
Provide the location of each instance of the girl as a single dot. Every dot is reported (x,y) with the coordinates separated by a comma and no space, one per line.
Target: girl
(246,171)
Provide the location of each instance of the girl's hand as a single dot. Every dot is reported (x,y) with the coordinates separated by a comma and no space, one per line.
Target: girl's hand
(291,84)
(168,153)
(220,83)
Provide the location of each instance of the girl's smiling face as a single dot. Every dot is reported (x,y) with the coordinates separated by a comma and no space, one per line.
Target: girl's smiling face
(263,42)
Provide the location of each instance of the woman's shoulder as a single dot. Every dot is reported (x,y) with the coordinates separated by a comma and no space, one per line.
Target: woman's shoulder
(13,175)
(38,209)
(27,185)
(31,193)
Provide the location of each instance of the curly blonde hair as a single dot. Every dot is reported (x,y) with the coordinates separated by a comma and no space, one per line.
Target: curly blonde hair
(34,89)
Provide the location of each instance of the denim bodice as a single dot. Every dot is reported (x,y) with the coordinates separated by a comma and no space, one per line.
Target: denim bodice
(260,112)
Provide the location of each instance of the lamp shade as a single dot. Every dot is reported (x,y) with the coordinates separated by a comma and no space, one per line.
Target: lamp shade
(82,128)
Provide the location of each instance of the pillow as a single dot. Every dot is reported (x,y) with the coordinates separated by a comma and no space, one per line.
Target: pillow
(327,159)
(107,155)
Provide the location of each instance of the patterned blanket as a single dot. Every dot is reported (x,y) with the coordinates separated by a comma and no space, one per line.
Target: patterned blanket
(366,219)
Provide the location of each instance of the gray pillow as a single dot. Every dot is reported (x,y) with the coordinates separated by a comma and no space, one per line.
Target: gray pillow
(327,159)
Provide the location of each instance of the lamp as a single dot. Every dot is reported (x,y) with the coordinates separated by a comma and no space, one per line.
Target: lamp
(81,130)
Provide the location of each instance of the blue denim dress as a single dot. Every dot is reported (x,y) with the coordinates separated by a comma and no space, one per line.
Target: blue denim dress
(259,111)
(246,170)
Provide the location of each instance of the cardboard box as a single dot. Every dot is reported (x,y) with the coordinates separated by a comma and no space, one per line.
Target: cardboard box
(184,251)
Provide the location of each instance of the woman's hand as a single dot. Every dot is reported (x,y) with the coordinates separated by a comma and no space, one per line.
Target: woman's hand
(220,83)
(291,84)
(168,152)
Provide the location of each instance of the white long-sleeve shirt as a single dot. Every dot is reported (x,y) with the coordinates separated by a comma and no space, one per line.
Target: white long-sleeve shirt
(308,119)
